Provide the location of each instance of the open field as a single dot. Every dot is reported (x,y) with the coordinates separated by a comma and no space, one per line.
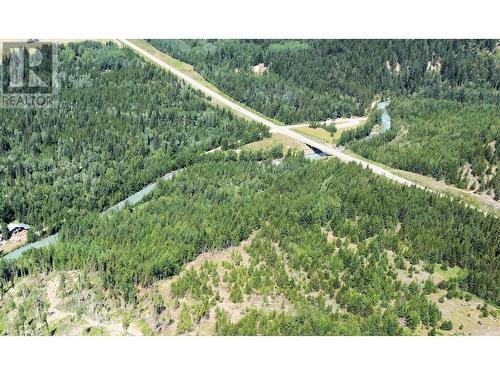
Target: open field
(318,134)
(322,135)
(450,272)
(277,139)
(340,123)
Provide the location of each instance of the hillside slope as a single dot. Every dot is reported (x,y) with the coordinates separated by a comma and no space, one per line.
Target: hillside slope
(335,254)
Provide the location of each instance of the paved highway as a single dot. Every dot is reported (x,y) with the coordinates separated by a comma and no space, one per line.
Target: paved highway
(274,128)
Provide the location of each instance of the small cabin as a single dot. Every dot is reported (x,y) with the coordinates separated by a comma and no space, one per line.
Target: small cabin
(17,227)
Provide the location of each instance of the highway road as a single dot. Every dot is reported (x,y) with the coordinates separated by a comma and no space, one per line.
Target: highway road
(273,128)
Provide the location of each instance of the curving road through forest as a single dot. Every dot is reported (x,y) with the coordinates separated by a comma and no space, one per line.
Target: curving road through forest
(274,128)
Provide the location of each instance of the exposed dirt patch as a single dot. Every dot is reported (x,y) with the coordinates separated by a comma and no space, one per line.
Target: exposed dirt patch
(235,310)
(62,303)
(466,317)
(54,313)
(17,239)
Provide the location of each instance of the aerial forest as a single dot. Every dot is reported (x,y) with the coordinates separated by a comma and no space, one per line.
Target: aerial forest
(448,140)
(312,80)
(254,242)
(222,200)
(121,123)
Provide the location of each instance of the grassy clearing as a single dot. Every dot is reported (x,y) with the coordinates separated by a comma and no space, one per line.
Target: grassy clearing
(341,121)
(318,134)
(322,135)
(450,272)
(274,140)
(192,73)
(144,327)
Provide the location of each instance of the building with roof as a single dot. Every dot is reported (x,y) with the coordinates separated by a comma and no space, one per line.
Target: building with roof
(17,227)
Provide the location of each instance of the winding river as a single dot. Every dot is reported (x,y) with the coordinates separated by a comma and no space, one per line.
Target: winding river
(138,196)
(132,200)
(385,118)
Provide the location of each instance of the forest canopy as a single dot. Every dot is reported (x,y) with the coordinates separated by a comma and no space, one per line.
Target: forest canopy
(308,80)
(121,123)
(338,244)
(220,202)
(448,140)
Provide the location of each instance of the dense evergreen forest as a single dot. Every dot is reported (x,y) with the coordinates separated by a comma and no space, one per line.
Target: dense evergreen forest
(120,124)
(333,245)
(319,79)
(448,140)
(221,201)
